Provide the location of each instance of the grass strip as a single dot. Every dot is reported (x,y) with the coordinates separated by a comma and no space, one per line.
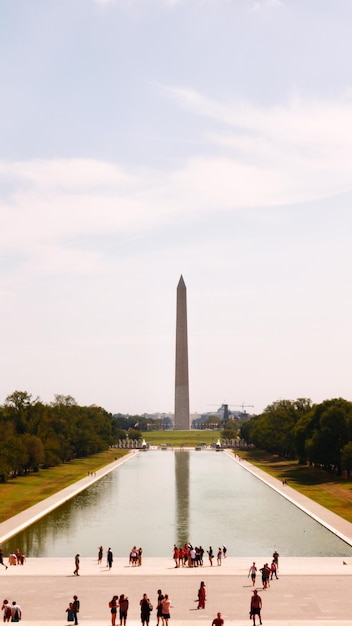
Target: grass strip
(333,492)
(24,491)
(177,438)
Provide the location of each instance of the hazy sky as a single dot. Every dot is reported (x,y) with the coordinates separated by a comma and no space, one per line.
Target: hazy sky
(145,139)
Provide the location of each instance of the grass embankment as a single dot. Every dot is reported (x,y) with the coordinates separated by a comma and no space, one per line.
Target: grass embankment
(333,492)
(20,493)
(177,438)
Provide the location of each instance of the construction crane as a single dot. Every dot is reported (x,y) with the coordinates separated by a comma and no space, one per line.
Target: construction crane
(244,406)
(226,406)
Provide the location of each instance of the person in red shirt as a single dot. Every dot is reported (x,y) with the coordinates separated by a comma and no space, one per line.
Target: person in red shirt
(202,595)
(176,556)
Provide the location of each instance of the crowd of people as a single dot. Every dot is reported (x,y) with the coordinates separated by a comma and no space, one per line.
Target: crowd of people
(119,604)
(267,571)
(193,556)
(15,558)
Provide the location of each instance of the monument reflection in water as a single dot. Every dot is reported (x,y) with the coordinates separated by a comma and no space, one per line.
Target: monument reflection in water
(160,498)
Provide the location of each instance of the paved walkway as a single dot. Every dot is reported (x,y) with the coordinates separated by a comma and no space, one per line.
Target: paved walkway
(309,590)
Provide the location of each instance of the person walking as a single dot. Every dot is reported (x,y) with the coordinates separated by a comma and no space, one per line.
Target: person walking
(113,609)
(75,608)
(100,554)
(146,609)
(159,607)
(252,573)
(76,564)
(265,570)
(123,604)
(201,595)
(165,613)
(276,559)
(2,559)
(217,621)
(219,556)
(256,606)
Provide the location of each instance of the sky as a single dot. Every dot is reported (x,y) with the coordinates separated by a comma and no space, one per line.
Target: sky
(142,140)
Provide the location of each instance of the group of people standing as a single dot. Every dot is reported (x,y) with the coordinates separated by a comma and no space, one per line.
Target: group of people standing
(136,556)
(121,603)
(11,612)
(109,556)
(193,556)
(15,558)
(73,610)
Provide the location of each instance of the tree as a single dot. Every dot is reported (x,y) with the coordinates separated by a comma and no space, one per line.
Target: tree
(327,431)
(34,452)
(274,429)
(346,458)
(230,430)
(61,400)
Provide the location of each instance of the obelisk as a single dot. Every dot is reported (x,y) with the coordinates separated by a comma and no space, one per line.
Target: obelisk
(182,421)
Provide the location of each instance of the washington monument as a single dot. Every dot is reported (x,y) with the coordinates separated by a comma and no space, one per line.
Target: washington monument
(182,421)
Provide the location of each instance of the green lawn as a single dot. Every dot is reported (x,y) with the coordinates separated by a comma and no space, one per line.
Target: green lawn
(20,493)
(189,438)
(333,492)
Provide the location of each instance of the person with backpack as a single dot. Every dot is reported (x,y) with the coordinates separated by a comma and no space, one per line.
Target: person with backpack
(16,613)
(113,604)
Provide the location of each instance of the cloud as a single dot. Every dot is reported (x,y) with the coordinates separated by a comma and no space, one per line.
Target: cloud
(260,5)
(302,147)
(256,157)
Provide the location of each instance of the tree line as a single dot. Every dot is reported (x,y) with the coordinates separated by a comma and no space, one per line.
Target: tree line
(36,435)
(318,434)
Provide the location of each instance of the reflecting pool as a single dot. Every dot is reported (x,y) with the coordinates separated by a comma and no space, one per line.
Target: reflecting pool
(159,498)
